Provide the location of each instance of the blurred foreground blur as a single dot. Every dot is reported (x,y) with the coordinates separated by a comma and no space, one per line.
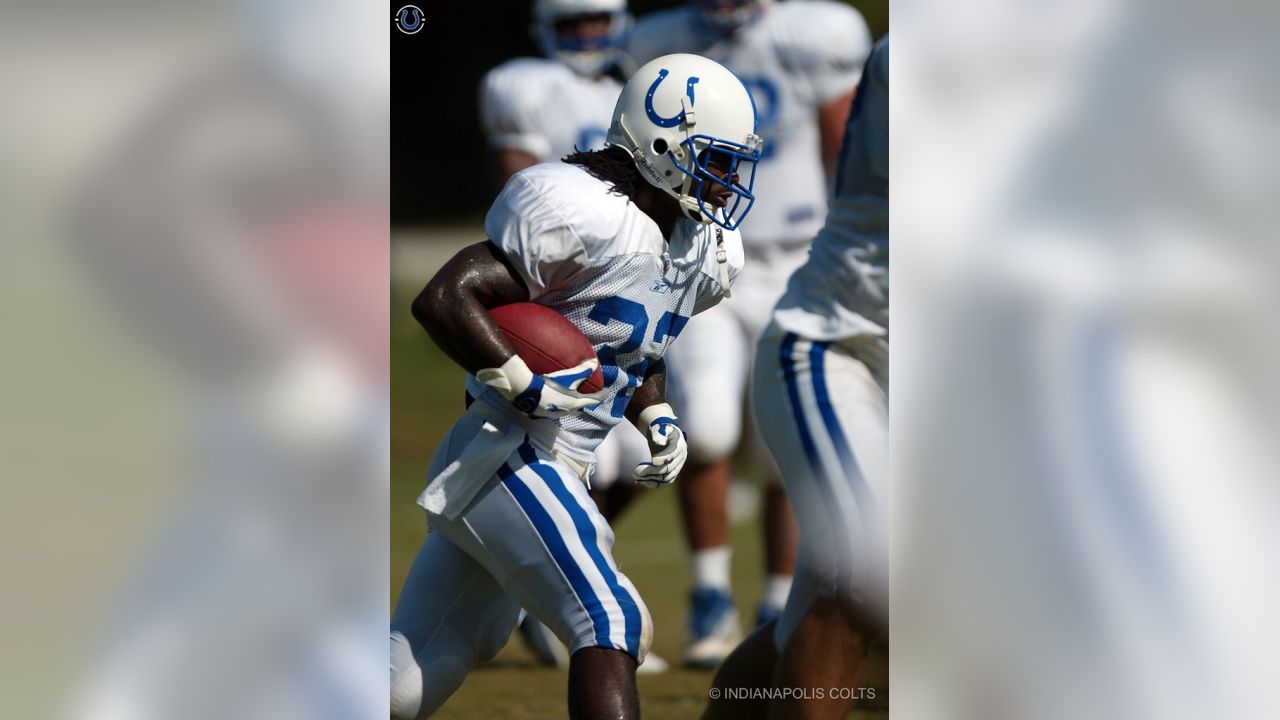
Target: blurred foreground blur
(196,384)
(1087,512)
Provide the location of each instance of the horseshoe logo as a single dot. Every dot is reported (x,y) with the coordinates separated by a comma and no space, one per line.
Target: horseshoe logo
(649,110)
(409,19)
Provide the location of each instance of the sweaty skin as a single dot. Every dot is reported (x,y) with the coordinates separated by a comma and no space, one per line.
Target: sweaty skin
(452,307)
(832,118)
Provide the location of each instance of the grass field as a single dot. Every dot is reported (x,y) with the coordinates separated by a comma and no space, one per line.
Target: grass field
(426,399)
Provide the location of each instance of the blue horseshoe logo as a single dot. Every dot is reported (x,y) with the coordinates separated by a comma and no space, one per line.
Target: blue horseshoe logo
(409,19)
(654,117)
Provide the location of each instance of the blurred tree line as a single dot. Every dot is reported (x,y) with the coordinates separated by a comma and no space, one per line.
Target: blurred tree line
(440,168)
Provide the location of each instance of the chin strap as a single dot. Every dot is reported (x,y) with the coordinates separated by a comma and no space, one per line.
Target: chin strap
(722,258)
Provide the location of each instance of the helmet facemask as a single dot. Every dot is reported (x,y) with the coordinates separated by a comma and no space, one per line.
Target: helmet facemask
(718,167)
(727,16)
(586,56)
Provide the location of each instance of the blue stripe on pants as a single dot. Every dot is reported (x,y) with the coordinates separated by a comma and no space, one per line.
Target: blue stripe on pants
(587,534)
(546,529)
(793,394)
(821,477)
(862,493)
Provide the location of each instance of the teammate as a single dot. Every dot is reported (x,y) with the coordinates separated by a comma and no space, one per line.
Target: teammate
(801,61)
(821,383)
(628,243)
(538,110)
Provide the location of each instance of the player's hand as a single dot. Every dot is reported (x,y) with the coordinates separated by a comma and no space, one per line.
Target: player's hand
(551,396)
(667,446)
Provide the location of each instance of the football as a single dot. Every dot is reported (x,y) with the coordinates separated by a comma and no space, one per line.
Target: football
(546,340)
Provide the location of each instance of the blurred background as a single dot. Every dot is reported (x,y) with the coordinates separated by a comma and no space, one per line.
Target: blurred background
(440,170)
(195,388)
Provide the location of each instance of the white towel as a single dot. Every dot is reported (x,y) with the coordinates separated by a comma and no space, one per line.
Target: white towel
(454,487)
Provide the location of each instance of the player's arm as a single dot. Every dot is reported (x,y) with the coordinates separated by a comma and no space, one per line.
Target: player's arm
(509,161)
(656,420)
(652,391)
(453,310)
(831,43)
(508,103)
(832,117)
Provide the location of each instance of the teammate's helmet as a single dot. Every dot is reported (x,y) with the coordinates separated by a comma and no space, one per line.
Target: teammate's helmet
(586,56)
(726,16)
(681,114)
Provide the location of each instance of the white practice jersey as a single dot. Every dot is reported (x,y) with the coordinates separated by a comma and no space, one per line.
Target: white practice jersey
(597,259)
(545,109)
(843,289)
(797,57)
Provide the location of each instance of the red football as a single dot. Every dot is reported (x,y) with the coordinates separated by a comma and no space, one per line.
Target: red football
(546,340)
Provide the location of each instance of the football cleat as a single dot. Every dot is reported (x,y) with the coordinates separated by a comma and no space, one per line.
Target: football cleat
(714,630)
(766,613)
(652,665)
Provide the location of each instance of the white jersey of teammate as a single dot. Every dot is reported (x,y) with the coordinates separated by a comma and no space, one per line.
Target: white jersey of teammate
(797,57)
(545,109)
(597,259)
(843,289)
(821,381)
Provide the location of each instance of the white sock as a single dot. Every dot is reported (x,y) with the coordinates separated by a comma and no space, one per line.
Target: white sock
(776,590)
(711,568)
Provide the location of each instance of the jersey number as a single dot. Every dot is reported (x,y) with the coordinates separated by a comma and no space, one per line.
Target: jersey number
(765,97)
(631,313)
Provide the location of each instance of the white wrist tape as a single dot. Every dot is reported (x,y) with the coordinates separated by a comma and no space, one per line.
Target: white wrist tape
(651,413)
(511,379)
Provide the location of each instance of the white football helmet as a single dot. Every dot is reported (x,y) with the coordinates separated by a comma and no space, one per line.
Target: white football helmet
(588,57)
(726,16)
(679,116)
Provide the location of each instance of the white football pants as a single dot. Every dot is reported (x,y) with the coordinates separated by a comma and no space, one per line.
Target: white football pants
(823,410)
(532,538)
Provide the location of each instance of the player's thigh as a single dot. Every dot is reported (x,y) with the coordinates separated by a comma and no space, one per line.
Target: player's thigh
(451,616)
(824,416)
(450,599)
(539,533)
(707,372)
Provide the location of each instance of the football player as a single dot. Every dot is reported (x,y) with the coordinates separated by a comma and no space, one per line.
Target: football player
(820,391)
(628,243)
(801,61)
(539,110)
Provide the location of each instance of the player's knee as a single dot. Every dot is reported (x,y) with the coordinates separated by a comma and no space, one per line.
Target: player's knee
(712,436)
(406,680)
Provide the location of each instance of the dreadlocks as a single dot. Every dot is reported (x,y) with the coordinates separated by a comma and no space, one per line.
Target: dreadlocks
(612,165)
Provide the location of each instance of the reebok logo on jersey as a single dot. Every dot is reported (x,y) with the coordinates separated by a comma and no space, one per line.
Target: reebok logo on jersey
(660,285)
